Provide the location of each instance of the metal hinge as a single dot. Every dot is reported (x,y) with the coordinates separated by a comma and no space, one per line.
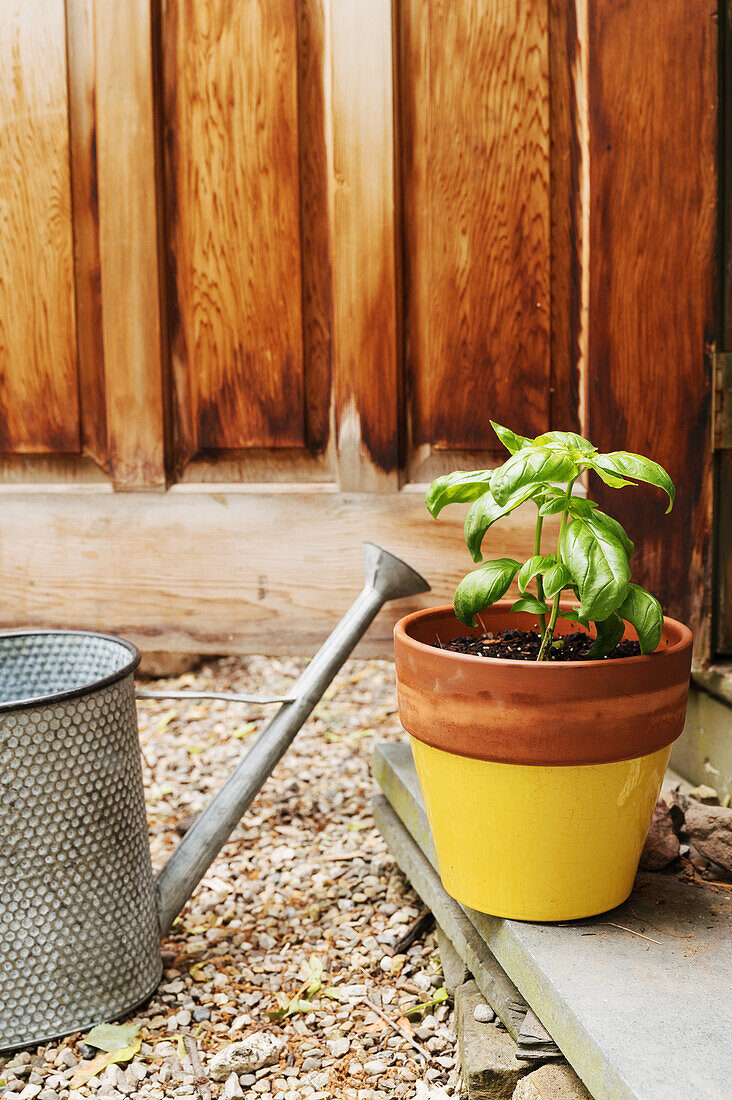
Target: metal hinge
(721,400)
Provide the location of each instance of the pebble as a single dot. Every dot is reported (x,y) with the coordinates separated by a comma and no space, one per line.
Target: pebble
(232,1089)
(251,1054)
(484,1014)
(375,1067)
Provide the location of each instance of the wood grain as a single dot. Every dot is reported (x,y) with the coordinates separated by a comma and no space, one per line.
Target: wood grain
(39,411)
(233,223)
(317,290)
(85,198)
(225,571)
(364,246)
(653,180)
(569,147)
(475,128)
(129,244)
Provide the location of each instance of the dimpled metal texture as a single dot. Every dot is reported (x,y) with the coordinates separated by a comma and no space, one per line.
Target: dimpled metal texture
(79,939)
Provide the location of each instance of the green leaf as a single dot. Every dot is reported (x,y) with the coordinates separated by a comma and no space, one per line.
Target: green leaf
(555,579)
(111,1037)
(509,439)
(531,605)
(483,587)
(610,479)
(484,513)
(599,521)
(643,611)
(530,568)
(531,466)
(624,464)
(609,633)
(566,439)
(551,507)
(599,566)
(574,616)
(460,487)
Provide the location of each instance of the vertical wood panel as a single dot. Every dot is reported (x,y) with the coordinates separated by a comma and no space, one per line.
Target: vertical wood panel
(364,245)
(234,221)
(653,186)
(39,410)
(569,145)
(129,243)
(317,295)
(80,24)
(475,119)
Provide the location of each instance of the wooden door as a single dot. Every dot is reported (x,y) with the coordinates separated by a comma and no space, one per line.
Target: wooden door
(293,256)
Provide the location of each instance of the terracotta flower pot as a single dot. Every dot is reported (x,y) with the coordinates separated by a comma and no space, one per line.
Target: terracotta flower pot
(539,779)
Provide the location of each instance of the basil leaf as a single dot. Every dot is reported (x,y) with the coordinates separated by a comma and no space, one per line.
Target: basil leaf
(600,521)
(566,439)
(509,439)
(609,633)
(599,566)
(624,464)
(483,513)
(530,568)
(575,617)
(460,487)
(643,611)
(551,507)
(531,605)
(483,587)
(555,579)
(610,479)
(531,466)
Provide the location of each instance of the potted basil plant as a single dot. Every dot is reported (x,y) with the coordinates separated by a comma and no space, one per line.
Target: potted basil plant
(541,727)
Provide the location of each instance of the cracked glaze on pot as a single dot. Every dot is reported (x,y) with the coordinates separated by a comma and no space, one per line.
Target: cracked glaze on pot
(524,712)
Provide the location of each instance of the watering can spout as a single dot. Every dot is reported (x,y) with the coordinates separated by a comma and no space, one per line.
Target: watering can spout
(387,578)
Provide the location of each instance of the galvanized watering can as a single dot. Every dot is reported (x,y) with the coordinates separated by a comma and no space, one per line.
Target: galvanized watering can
(80,914)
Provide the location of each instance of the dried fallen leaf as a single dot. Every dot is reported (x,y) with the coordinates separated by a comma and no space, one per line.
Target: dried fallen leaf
(87,1070)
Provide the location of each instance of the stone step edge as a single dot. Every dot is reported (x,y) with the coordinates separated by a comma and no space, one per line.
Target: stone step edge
(490,1064)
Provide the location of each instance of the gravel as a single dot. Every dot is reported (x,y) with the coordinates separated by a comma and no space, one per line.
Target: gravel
(305,883)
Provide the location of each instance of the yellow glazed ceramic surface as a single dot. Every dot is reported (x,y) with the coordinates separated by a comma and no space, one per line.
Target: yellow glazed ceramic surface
(538,843)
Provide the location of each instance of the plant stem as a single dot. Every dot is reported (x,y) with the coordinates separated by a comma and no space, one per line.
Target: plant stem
(547,636)
(539,581)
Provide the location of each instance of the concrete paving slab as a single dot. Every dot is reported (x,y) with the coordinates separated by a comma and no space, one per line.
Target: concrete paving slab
(639,999)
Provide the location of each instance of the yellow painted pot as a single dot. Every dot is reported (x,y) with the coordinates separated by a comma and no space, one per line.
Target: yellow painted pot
(538,843)
(539,780)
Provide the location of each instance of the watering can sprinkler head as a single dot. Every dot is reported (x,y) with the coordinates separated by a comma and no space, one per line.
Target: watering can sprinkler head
(389,575)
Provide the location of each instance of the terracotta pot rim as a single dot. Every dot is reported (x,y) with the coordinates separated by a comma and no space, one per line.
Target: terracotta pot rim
(402,626)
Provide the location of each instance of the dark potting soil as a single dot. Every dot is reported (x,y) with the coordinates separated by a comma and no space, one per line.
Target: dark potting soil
(523,645)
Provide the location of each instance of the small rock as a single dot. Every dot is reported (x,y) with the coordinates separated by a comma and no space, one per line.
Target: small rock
(201,1013)
(375,1067)
(87,1052)
(338,1048)
(246,1080)
(710,831)
(256,1051)
(704,794)
(662,845)
(30,1092)
(484,1014)
(232,1089)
